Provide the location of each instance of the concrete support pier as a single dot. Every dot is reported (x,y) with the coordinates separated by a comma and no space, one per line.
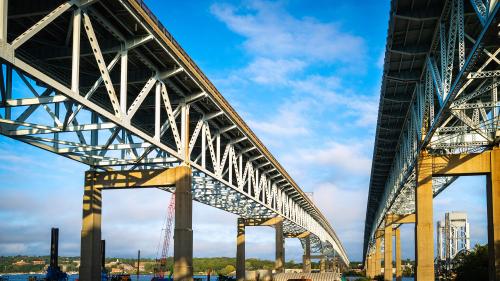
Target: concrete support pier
(183,232)
(369,266)
(372,267)
(279,265)
(90,267)
(493,201)
(322,265)
(399,273)
(306,258)
(240,250)
(388,248)
(424,226)
(378,253)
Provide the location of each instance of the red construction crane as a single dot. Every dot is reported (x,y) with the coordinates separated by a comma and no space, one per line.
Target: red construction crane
(161,263)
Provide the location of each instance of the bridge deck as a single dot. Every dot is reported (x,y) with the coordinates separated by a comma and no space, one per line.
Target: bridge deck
(431,46)
(133,98)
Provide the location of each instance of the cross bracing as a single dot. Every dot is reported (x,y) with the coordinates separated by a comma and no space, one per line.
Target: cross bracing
(450,49)
(105,84)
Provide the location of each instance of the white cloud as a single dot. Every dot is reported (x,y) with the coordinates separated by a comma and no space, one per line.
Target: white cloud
(330,92)
(267,71)
(345,209)
(381,60)
(271,31)
(350,158)
(289,121)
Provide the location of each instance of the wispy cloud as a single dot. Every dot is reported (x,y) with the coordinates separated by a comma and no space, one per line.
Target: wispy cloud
(273,72)
(300,64)
(271,31)
(349,158)
(290,120)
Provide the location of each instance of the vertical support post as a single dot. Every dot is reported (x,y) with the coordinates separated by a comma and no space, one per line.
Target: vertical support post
(185,132)
(138,263)
(183,232)
(103,255)
(123,81)
(279,264)
(57,114)
(493,201)
(75,55)
(90,267)
(8,90)
(306,259)
(54,247)
(373,266)
(230,167)
(217,143)
(240,250)
(157,110)
(388,248)
(322,264)
(399,274)
(378,256)
(123,92)
(4,7)
(204,144)
(424,226)
(94,134)
(369,266)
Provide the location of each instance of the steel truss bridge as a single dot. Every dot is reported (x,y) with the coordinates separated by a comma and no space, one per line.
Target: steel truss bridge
(105,84)
(439,95)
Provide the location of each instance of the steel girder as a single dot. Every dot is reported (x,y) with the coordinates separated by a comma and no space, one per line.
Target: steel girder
(65,92)
(454,106)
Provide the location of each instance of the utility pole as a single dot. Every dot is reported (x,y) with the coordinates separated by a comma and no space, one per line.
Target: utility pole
(138,262)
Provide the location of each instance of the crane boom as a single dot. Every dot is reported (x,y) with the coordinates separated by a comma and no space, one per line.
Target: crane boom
(161,263)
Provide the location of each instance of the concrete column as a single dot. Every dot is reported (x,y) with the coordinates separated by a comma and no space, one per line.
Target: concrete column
(399,274)
(90,267)
(368,265)
(493,201)
(183,232)
(240,250)
(372,266)
(388,248)
(322,264)
(306,258)
(279,265)
(424,226)
(378,255)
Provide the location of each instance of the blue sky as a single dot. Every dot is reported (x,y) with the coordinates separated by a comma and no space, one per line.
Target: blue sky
(306,78)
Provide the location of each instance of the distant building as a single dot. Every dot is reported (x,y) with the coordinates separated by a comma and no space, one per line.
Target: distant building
(453,235)
(127,267)
(38,262)
(141,265)
(116,270)
(20,263)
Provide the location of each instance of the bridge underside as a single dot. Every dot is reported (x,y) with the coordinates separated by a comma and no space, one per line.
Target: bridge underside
(105,84)
(439,97)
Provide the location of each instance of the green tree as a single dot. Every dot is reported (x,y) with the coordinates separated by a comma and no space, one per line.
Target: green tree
(472,265)
(227,270)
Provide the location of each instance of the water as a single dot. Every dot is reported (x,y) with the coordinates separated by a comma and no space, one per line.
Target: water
(24,277)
